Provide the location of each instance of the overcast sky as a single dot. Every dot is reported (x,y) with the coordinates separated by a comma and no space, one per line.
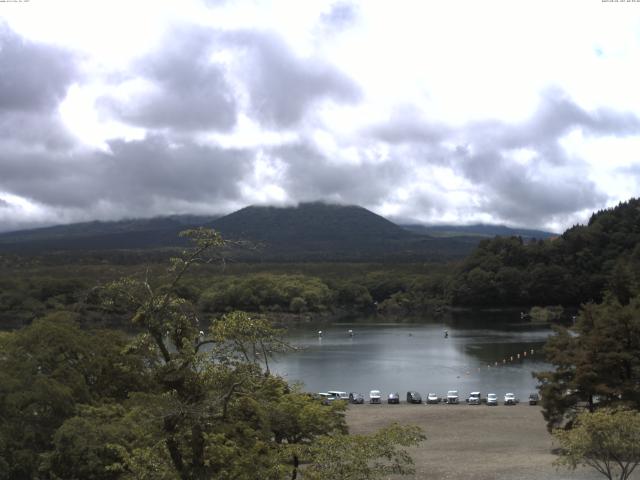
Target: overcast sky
(525,113)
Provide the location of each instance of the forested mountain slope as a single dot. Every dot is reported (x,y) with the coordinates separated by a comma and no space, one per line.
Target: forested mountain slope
(574,268)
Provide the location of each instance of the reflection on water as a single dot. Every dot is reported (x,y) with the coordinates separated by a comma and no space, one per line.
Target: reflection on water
(416,356)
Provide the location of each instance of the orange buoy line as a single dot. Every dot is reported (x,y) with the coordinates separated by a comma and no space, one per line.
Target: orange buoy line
(518,356)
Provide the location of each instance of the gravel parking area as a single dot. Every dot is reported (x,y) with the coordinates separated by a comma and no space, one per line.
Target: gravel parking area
(472,441)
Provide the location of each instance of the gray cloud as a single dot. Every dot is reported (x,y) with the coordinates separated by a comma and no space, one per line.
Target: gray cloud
(550,185)
(340,16)
(311,176)
(136,177)
(406,125)
(33,131)
(190,91)
(33,77)
(4,203)
(282,87)
(555,117)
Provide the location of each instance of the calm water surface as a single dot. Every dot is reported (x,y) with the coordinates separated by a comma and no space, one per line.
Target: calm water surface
(397,357)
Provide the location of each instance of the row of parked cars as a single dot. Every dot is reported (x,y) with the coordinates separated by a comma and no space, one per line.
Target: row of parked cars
(452,398)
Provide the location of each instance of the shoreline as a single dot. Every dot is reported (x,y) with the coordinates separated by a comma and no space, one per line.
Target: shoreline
(473,442)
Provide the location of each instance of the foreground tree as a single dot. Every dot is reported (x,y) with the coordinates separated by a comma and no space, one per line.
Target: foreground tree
(364,457)
(48,370)
(605,440)
(218,412)
(597,362)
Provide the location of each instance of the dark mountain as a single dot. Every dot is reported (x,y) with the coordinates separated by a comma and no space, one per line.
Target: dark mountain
(308,232)
(479,229)
(318,231)
(124,234)
(309,222)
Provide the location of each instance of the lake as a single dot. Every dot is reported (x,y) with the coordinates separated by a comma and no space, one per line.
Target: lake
(415,355)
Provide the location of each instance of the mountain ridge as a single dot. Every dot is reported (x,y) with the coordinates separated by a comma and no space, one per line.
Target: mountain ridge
(309,231)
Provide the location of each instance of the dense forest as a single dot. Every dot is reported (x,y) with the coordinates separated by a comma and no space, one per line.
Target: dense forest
(572,269)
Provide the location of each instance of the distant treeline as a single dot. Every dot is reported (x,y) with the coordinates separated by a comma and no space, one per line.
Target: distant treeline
(35,291)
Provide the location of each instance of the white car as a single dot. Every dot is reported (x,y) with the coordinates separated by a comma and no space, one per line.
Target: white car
(510,399)
(452,397)
(474,398)
(325,398)
(492,399)
(375,396)
(339,395)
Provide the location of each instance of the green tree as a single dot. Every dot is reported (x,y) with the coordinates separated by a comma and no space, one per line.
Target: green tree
(364,457)
(605,440)
(218,413)
(597,362)
(49,369)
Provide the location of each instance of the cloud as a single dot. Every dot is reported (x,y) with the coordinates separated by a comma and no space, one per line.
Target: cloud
(283,87)
(340,16)
(408,125)
(4,203)
(310,175)
(136,177)
(33,131)
(519,172)
(34,77)
(185,89)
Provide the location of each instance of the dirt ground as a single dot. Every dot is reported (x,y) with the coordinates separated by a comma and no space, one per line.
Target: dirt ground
(472,442)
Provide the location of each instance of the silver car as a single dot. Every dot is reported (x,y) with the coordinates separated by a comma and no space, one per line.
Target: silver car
(475,398)
(492,399)
(375,396)
(452,397)
(510,399)
(433,398)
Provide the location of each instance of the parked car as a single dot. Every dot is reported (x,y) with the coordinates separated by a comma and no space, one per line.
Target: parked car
(475,398)
(375,396)
(510,399)
(492,399)
(393,398)
(452,397)
(356,398)
(433,398)
(414,397)
(325,398)
(337,395)
(534,398)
